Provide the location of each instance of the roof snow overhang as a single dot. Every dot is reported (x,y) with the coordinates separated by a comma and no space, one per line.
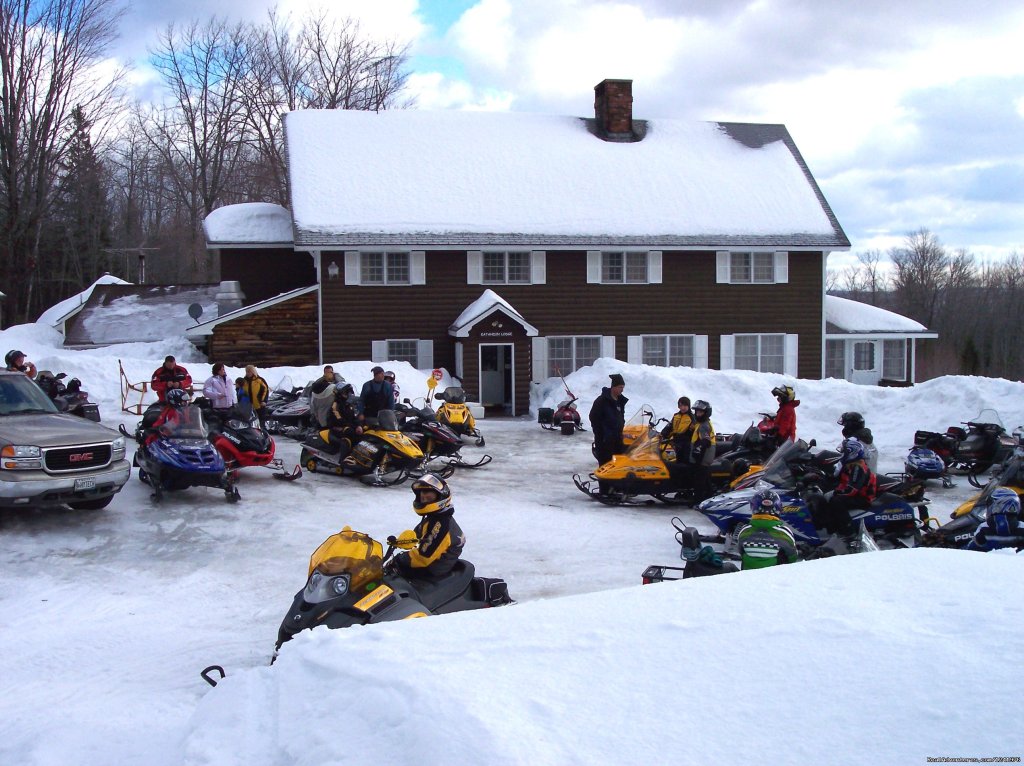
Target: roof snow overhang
(487,304)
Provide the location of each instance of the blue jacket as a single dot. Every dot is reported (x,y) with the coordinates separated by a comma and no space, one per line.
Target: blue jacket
(376,397)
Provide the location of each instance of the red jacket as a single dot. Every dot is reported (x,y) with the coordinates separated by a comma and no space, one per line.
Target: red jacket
(162,376)
(785,420)
(856,480)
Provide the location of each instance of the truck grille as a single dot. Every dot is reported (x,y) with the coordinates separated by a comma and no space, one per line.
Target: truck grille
(77,458)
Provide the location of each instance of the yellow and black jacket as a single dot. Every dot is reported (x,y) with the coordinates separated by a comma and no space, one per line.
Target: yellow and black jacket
(441,541)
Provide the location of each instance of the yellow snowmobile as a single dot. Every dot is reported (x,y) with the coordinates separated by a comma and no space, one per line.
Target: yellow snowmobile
(455,414)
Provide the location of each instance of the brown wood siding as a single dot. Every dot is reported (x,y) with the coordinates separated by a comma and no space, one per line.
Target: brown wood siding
(282,334)
(266,272)
(687,301)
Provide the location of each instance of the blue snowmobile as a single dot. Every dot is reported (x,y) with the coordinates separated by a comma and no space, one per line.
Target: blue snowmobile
(175,452)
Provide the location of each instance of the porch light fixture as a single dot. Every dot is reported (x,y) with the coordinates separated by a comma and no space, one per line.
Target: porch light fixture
(332,270)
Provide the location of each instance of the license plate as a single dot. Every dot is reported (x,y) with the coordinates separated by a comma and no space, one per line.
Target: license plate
(83,484)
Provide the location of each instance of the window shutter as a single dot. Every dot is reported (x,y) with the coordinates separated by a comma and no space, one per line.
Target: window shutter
(722,264)
(458,360)
(700,351)
(593,267)
(608,346)
(781,267)
(538,267)
(790,363)
(424,355)
(728,355)
(634,349)
(378,351)
(539,347)
(351,267)
(417,267)
(475,267)
(654,267)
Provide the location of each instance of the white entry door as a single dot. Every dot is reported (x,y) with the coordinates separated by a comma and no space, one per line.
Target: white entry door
(867,362)
(496,375)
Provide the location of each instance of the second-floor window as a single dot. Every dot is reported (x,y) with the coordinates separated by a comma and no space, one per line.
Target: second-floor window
(630,268)
(757,268)
(388,268)
(506,268)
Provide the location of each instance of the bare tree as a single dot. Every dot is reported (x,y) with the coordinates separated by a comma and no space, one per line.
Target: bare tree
(921,273)
(49,52)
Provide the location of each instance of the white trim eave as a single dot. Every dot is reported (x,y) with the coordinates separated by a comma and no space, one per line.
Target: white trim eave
(511,244)
(881,335)
(463,330)
(206,328)
(250,245)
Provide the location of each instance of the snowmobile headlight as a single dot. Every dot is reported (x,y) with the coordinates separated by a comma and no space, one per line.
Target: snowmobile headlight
(236,425)
(340,585)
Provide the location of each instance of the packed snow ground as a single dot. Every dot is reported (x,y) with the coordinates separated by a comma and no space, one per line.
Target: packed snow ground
(106,618)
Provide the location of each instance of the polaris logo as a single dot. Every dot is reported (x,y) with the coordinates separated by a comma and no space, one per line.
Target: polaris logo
(78,457)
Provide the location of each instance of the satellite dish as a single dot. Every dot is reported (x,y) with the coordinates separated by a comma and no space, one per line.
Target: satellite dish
(195,311)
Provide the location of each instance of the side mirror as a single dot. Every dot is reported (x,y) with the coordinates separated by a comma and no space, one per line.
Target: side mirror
(61,375)
(439,396)
(812,443)
(407,400)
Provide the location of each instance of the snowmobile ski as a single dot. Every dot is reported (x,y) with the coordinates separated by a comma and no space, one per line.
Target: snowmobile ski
(284,475)
(206,673)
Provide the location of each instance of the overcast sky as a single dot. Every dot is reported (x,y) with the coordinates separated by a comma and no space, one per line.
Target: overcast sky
(909,113)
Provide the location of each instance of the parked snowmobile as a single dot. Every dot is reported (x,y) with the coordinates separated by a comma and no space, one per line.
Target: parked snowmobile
(382,457)
(288,409)
(436,440)
(70,397)
(648,467)
(890,518)
(922,463)
(350,583)
(565,419)
(181,455)
(238,437)
(455,414)
(973,450)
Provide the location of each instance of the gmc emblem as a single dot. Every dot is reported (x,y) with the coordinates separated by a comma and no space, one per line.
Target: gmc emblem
(78,457)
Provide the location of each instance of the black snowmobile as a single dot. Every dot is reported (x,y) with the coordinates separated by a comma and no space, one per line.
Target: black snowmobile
(351,581)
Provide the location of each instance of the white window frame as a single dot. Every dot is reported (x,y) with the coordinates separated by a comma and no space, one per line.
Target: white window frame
(416,261)
(505,257)
(887,371)
(860,358)
(790,346)
(380,352)
(540,346)
(475,267)
(728,260)
(635,348)
(596,267)
(835,362)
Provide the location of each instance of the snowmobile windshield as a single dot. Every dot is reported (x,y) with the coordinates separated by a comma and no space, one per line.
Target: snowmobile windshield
(285,385)
(186,423)
(988,416)
(777,471)
(636,426)
(387,420)
(349,552)
(454,395)
(646,446)
(1011,473)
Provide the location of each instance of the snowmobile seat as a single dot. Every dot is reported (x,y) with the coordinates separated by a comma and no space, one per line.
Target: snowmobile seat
(435,592)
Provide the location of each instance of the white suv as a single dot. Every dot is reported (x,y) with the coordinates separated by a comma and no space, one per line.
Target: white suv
(50,458)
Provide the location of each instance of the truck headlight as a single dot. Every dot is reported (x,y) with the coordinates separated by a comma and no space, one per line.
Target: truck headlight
(117,448)
(18,457)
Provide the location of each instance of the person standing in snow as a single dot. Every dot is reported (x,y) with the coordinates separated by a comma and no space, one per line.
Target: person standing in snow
(15,361)
(766,540)
(376,394)
(218,388)
(168,377)
(257,390)
(608,418)
(785,418)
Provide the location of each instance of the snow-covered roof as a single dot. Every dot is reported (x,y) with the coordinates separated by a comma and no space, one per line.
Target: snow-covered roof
(132,313)
(206,328)
(249,223)
(488,302)
(436,178)
(844,317)
(56,315)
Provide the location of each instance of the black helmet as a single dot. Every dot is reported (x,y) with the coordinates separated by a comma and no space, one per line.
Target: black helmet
(344,390)
(851,420)
(177,397)
(701,406)
(11,356)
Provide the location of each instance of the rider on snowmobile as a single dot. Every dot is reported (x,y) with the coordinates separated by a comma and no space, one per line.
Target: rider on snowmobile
(702,449)
(440,539)
(344,423)
(853,425)
(175,400)
(1002,523)
(767,540)
(857,487)
(679,430)
(785,419)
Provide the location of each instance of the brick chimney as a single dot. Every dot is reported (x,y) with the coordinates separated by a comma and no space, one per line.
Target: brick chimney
(613,108)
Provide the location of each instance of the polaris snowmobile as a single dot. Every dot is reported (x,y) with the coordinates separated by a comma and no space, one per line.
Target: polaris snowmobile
(350,582)
(436,440)
(70,397)
(890,518)
(924,464)
(179,455)
(973,450)
(382,457)
(238,437)
(790,463)
(454,413)
(288,409)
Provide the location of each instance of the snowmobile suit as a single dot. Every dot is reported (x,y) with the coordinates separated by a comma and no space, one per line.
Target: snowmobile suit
(857,487)
(679,431)
(162,376)
(785,421)
(342,422)
(765,542)
(607,419)
(441,541)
